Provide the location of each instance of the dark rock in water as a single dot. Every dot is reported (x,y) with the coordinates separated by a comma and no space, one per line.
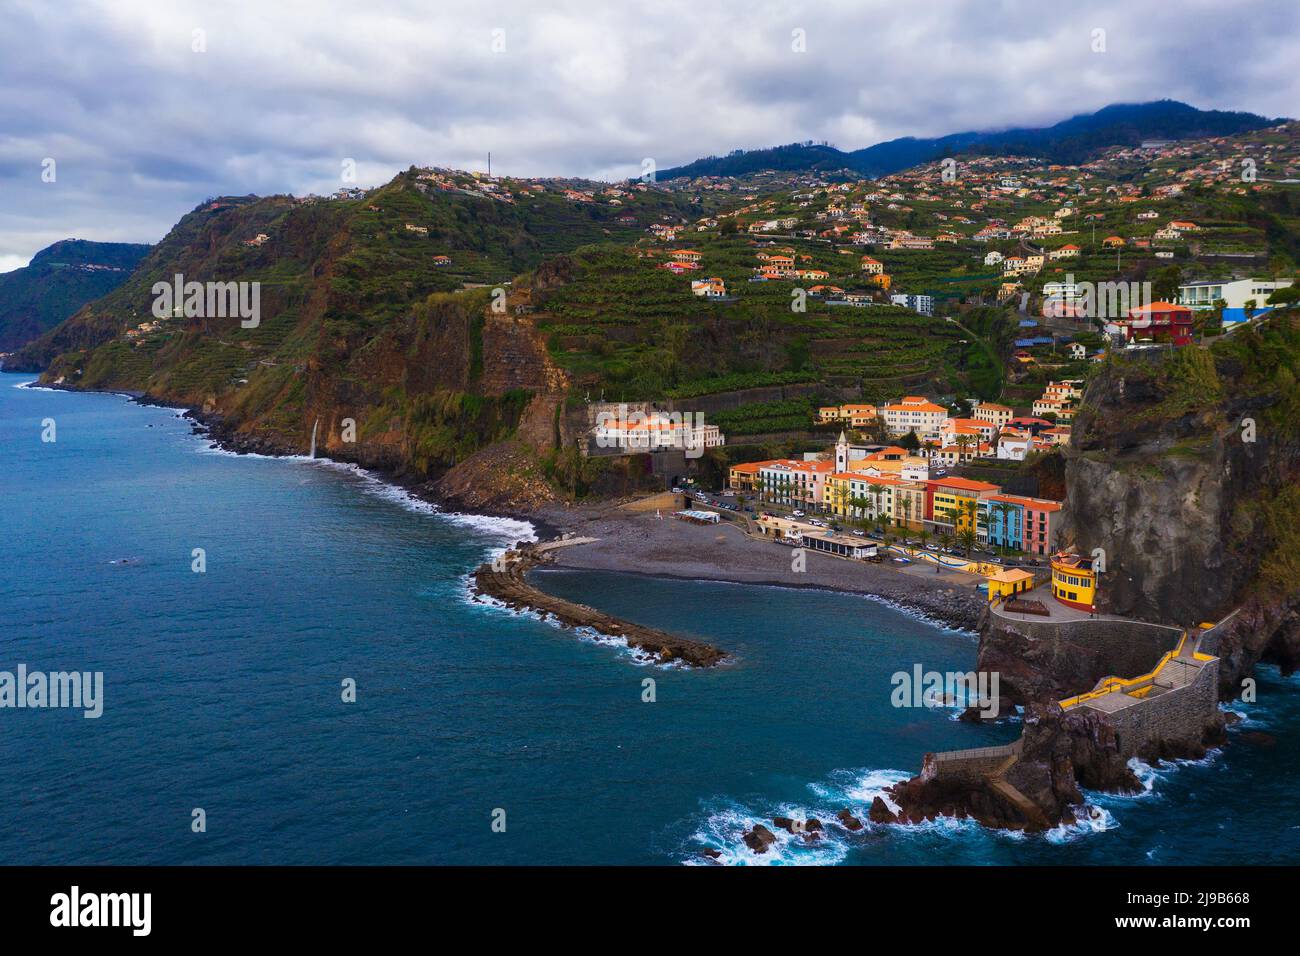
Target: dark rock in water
(1059,753)
(1231,717)
(711,853)
(759,838)
(880,812)
(1257,738)
(810,826)
(812,837)
(847,818)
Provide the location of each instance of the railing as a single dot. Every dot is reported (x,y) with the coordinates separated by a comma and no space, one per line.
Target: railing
(1114,685)
(977,753)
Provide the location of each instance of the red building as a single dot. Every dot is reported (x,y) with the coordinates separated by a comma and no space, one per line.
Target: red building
(1160,322)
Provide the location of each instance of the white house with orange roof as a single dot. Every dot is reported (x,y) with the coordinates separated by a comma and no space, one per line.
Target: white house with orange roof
(914,413)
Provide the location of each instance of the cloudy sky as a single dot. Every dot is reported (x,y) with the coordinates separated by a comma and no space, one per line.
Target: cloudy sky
(146,108)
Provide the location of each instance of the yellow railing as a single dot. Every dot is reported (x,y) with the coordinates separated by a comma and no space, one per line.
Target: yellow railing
(1113,685)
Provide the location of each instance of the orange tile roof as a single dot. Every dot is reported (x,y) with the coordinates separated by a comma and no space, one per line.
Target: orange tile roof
(963,484)
(1039,504)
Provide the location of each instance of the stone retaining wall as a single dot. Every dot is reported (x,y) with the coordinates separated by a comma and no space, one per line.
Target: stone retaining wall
(1179,716)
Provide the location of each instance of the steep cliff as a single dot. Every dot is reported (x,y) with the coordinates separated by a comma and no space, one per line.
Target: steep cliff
(1184,475)
(393,326)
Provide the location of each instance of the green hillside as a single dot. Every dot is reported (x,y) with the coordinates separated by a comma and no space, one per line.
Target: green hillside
(59,280)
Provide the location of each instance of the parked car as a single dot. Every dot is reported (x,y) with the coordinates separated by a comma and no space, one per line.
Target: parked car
(797,513)
(903,560)
(860,534)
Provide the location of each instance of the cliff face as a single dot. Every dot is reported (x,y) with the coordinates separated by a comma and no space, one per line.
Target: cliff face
(1184,474)
(1160,495)
(394,359)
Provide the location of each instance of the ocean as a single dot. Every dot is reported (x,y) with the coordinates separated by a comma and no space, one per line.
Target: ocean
(477,735)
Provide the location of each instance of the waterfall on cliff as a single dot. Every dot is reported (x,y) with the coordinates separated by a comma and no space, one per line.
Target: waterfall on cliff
(314,425)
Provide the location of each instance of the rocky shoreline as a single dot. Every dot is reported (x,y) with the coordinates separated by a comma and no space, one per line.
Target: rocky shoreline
(505,580)
(641,544)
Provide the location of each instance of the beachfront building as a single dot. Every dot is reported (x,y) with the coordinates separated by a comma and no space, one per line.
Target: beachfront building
(1006,583)
(1042,524)
(849,495)
(909,505)
(951,504)
(841,545)
(915,414)
(1074,581)
(1017,522)
(798,484)
(741,477)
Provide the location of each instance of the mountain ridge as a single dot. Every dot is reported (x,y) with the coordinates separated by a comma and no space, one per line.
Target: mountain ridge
(1069,141)
(58,281)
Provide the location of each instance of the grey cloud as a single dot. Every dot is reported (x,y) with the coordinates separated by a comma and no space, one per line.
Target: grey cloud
(144,128)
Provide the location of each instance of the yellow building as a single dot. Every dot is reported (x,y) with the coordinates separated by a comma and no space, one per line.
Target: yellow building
(909,505)
(855,416)
(1008,582)
(1074,581)
(853,495)
(954,503)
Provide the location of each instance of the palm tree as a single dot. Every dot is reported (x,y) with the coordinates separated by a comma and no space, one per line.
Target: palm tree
(1004,511)
(906,505)
(758,486)
(945,542)
(962,442)
(876,492)
(967,538)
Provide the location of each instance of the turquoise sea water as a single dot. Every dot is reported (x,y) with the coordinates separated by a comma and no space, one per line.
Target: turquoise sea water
(223,689)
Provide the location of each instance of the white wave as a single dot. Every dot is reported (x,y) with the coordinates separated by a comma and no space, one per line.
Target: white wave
(723,831)
(508,530)
(1254,716)
(1089,819)
(590,635)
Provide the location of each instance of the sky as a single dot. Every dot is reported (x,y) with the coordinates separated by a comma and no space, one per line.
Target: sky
(119,116)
